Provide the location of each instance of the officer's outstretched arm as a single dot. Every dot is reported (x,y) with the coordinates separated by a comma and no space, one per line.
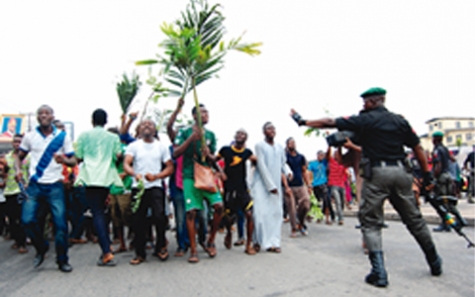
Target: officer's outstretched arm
(320,123)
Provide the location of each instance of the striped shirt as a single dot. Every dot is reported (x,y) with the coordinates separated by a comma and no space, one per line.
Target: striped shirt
(337,175)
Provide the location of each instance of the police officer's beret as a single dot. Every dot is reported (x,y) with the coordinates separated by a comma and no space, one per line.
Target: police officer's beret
(373,92)
(438,134)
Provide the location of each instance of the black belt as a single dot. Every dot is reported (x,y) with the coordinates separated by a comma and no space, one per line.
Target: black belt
(385,163)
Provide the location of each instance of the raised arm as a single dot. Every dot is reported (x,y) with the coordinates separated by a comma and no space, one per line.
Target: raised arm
(319,123)
(124,128)
(171,121)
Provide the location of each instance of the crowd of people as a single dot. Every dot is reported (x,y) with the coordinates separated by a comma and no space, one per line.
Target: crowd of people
(114,188)
(111,180)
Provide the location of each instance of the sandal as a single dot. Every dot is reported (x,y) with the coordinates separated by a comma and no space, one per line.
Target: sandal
(22,250)
(211,250)
(257,247)
(137,260)
(239,242)
(163,254)
(106,260)
(250,251)
(179,253)
(274,250)
(228,240)
(193,258)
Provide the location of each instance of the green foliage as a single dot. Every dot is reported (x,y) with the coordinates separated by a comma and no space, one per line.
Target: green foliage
(315,208)
(193,50)
(312,131)
(135,203)
(127,89)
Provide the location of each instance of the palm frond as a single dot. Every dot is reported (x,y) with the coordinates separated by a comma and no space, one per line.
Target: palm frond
(127,89)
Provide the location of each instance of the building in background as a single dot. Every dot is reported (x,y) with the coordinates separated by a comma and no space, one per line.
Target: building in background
(459,132)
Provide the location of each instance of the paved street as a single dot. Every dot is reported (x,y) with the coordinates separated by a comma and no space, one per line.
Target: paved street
(329,261)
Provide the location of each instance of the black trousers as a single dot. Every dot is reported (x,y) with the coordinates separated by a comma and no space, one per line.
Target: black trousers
(13,212)
(153,198)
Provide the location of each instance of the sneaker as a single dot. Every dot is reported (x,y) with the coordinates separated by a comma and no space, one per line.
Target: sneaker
(65,267)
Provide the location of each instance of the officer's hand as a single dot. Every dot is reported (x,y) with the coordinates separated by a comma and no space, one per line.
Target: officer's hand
(297,117)
(428,181)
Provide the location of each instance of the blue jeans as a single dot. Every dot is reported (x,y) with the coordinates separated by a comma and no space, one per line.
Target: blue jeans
(96,199)
(240,224)
(78,205)
(53,196)
(180,220)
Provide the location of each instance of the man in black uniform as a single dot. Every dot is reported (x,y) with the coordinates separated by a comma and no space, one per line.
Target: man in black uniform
(471,186)
(440,169)
(236,192)
(382,135)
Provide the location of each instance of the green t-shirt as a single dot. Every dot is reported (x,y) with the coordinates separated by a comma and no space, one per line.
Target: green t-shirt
(98,148)
(116,190)
(194,149)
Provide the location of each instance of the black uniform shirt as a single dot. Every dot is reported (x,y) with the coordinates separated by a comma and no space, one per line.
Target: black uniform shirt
(470,159)
(441,154)
(381,133)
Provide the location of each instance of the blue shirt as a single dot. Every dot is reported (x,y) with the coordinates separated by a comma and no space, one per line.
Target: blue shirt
(296,163)
(319,171)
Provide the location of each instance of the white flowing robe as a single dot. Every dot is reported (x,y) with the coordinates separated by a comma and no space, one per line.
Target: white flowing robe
(267,208)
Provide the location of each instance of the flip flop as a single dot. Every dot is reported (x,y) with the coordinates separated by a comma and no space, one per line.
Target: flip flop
(274,250)
(109,263)
(193,258)
(239,242)
(137,261)
(250,251)
(163,254)
(211,250)
(257,247)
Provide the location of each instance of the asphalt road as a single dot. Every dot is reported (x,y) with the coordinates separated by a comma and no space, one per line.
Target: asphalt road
(328,262)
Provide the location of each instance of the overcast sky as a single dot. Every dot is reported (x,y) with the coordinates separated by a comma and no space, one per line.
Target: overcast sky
(317,56)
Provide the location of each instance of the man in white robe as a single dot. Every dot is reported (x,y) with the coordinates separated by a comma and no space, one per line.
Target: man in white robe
(266,191)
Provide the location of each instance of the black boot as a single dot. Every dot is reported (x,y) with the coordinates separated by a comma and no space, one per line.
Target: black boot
(460,220)
(378,276)
(434,261)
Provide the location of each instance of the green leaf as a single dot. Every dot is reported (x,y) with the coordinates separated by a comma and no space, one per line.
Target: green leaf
(146,62)
(174,82)
(127,89)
